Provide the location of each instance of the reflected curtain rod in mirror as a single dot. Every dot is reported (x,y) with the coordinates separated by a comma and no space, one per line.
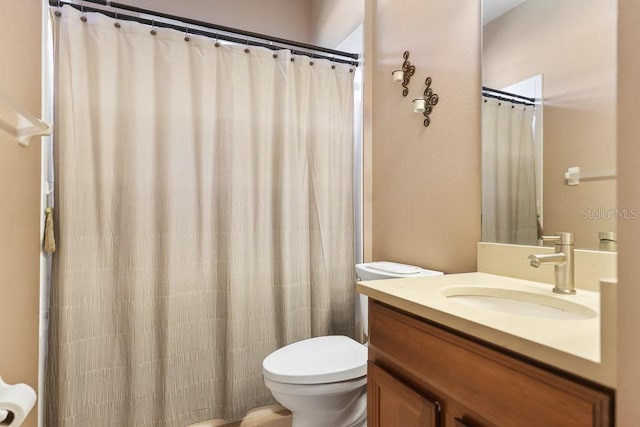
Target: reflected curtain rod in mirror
(501,95)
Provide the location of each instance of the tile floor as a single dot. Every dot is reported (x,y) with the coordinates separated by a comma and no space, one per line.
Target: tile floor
(267,416)
(275,419)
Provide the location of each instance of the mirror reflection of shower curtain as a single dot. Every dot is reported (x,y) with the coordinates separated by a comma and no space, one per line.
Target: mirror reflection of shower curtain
(509,213)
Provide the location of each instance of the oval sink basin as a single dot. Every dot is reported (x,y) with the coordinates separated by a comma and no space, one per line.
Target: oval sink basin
(520,303)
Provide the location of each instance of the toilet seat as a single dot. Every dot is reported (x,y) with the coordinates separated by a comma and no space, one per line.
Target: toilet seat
(316,361)
(394,268)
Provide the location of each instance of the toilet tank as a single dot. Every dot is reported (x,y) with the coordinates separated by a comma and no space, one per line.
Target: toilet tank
(385,270)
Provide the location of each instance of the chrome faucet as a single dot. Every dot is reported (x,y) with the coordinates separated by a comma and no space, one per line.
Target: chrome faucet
(562,259)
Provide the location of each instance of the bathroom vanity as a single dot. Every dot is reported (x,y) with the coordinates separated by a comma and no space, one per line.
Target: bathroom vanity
(433,362)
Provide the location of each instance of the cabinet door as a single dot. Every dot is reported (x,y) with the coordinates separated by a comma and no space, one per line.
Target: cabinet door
(393,404)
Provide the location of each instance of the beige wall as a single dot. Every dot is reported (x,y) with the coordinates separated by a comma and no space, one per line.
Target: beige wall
(426,180)
(281,18)
(628,410)
(333,20)
(573,44)
(20,40)
(20,199)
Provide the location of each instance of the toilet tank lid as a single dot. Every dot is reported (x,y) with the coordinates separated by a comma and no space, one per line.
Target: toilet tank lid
(317,360)
(395,268)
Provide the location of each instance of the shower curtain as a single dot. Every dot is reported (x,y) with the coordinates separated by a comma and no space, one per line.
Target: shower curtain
(205,218)
(509,213)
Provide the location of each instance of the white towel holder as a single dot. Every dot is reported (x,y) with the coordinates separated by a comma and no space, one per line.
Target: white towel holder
(20,123)
(574,175)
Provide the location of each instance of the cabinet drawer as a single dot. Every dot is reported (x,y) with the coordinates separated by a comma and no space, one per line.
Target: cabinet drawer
(501,389)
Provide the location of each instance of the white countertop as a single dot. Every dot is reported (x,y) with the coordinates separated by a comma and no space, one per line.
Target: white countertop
(570,345)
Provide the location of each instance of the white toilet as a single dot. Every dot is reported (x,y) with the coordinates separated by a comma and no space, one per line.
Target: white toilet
(323,380)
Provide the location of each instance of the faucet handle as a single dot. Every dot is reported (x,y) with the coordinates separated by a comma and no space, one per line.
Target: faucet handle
(562,238)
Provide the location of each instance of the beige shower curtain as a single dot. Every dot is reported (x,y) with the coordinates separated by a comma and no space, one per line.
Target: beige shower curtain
(204,200)
(509,212)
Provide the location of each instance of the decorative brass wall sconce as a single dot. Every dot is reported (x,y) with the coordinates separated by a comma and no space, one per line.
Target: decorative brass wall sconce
(425,104)
(403,76)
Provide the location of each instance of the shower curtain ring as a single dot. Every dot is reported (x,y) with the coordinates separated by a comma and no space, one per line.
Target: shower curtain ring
(186,32)
(217,43)
(83,18)
(153,28)
(57,12)
(116,24)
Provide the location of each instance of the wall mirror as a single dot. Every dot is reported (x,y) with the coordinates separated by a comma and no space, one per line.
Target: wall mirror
(559,59)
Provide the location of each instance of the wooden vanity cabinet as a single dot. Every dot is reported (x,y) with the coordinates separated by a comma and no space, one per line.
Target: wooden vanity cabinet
(421,374)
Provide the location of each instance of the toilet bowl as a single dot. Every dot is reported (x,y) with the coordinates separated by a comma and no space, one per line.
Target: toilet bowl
(323,380)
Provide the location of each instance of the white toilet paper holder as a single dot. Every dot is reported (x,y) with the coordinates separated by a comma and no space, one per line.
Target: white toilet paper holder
(6,417)
(16,401)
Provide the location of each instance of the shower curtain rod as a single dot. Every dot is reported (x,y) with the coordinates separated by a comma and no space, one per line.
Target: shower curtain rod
(517,99)
(229,34)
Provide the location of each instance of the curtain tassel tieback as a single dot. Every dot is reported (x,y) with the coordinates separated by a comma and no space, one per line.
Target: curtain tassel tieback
(49,238)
